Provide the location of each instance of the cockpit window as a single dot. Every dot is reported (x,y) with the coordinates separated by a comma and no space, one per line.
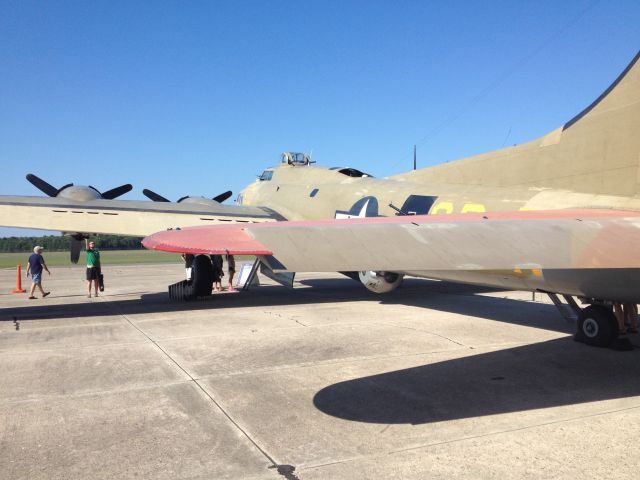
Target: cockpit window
(351,172)
(266,175)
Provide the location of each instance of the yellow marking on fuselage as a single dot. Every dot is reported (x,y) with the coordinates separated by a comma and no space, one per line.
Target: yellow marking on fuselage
(442,207)
(473,208)
(448,207)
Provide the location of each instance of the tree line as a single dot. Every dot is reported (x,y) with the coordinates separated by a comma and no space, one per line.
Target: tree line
(61,243)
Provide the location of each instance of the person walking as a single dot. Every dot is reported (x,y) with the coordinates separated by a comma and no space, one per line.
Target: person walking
(231,266)
(218,273)
(93,267)
(36,265)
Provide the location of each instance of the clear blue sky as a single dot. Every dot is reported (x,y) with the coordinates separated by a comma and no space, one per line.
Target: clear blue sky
(198,97)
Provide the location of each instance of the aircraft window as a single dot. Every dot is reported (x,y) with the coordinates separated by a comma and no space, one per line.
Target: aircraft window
(418,204)
(351,172)
(314,192)
(266,175)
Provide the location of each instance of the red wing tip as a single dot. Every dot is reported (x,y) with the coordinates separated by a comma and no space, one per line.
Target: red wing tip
(174,242)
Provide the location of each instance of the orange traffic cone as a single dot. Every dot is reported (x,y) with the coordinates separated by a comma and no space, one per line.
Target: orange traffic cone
(18,288)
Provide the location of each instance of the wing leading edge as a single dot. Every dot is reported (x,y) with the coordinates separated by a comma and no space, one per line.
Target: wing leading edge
(120,217)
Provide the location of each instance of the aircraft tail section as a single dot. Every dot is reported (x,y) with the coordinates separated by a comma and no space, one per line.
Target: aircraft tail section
(597,151)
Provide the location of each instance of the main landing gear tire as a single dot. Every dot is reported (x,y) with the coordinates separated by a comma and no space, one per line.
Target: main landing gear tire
(202,274)
(597,326)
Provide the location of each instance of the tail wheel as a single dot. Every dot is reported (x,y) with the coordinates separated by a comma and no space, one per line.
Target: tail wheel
(597,326)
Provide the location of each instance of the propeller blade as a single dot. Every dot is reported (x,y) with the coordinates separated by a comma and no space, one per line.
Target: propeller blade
(116,192)
(223,196)
(154,196)
(63,187)
(42,185)
(76,248)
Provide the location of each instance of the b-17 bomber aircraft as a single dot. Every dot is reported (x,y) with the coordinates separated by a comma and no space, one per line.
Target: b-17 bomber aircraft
(559,214)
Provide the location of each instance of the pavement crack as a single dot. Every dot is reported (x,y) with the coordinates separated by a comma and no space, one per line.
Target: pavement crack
(92,393)
(207,394)
(427,332)
(517,429)
(467,438)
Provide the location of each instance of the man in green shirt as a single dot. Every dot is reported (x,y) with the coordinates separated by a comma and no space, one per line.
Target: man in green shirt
(93,267)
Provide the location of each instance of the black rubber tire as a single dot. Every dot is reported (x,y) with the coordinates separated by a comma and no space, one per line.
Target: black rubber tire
(597,326)
(202,276)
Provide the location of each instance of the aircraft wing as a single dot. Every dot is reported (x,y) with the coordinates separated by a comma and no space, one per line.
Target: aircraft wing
(120,217)
(556,239)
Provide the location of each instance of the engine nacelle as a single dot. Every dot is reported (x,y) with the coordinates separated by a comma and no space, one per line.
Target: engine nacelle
(79,193)
(205,202)
(380,282)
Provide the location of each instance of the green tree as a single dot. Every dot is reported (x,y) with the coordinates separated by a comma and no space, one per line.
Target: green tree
(62,243)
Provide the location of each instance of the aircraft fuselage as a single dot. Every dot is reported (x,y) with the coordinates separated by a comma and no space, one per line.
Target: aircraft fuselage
(313,193)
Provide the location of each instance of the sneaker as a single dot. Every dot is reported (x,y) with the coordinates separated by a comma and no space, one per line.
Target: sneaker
(32,298)
(45,294)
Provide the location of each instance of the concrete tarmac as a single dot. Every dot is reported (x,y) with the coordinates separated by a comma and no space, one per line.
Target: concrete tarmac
(326,381)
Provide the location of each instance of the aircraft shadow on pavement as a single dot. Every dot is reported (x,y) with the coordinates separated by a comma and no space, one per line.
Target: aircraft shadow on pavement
(443,296)
(548,374)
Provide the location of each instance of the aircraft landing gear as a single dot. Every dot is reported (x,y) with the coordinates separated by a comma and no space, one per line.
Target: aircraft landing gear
(199,286)
(597,326)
